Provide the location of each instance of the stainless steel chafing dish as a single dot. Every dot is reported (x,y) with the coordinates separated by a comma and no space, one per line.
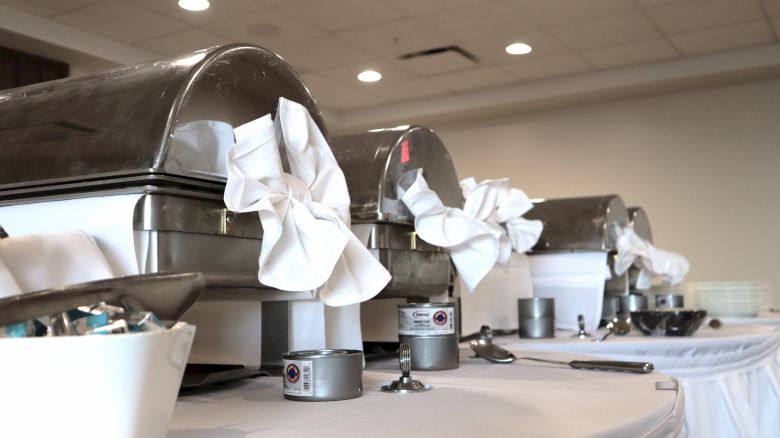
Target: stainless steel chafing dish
(130,131)
(375,163)
(584,224)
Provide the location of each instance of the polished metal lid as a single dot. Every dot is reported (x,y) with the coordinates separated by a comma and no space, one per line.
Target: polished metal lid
(637,216)
(165,122)
(374,163)
(579,224)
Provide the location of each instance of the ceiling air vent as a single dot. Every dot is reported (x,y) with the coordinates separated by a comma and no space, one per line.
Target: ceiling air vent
(440,60)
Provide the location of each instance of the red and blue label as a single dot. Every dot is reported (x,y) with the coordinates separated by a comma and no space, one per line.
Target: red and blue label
(440,317)
(293,373)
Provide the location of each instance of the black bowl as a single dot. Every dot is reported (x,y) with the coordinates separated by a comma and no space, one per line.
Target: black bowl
(668,322)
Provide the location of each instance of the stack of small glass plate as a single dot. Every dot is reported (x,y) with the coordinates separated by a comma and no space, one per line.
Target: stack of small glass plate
(730,298)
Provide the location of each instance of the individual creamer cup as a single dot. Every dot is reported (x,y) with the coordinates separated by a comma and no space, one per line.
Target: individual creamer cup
(322,375)
(426,319)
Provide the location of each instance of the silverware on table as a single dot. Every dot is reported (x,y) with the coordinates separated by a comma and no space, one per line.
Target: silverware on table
(618,327)
(487,350)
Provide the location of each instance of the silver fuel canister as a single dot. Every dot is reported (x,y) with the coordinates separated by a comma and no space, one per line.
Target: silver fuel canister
(323,375)
(430,331)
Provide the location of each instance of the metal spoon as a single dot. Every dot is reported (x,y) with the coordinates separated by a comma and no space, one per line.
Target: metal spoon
(618,326)
(497,354)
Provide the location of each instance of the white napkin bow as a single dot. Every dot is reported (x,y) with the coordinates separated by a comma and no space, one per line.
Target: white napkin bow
(669,267)
(473,235)
(504,206)
(307,243)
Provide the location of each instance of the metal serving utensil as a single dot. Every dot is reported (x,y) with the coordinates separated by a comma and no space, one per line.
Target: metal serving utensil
(618,327)
(487,350)
(167,295)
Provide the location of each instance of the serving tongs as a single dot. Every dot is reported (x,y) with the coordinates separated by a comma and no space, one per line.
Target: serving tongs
(486,349)
(168,296)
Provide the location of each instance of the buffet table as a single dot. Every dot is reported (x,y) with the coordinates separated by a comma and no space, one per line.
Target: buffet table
(730,375)
(477,399)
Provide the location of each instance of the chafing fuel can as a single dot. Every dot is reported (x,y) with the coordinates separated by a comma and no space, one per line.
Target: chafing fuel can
(430,330)
(322,375)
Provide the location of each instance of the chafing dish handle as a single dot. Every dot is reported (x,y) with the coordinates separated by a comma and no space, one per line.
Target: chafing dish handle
(613,365)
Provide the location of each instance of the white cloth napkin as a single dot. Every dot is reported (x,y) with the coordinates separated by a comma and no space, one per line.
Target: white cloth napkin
(476,235)
(8,286)
(44,261)
(501,204)
(201,146)
(667,266)
(307,243)
(474,244)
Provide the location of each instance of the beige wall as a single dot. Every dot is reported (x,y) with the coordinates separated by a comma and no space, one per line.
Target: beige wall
(704,164)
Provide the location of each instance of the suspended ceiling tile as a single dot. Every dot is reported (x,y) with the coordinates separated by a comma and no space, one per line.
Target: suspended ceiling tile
(493,49)
(332,94)
(690,15)
(639,52)
(416,7)
(550,12)
(606,31)
(547,67)
(724,38)
(268,28)
(218,9)
(407,90)
(396,38)
(339,15)
(447,61)
(348,75)
(474,78)
(487,19)
(322,53)
(47,8)
(120,21)
(182,42)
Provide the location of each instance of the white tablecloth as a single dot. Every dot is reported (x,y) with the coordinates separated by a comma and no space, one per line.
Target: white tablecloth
(731,376)
(479,399)
(763,318)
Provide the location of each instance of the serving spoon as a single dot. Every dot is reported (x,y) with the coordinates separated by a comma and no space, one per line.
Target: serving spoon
(487,350)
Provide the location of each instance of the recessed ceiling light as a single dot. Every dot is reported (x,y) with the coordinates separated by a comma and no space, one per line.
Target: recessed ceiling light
(194,5)
(518,49)
(369,76)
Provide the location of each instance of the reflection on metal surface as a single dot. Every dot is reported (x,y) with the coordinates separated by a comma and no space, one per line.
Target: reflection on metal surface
(120,124)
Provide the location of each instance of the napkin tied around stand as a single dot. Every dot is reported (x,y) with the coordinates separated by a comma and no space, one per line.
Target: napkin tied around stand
(475,240)
(307,243)
(652,262)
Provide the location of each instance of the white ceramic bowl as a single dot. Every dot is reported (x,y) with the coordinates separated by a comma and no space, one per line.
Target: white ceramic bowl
(92,386)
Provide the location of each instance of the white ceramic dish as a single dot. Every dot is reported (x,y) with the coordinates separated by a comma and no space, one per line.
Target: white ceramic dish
(120,386)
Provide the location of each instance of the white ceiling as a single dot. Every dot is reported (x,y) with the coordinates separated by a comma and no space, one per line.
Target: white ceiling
(330,41)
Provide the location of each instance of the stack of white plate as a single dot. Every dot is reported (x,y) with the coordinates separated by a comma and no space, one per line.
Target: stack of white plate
(730,298)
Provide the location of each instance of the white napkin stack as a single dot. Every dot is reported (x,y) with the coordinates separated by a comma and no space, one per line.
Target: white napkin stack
(652,262)
(480,235)
(201,146)
(8,286)
(307,243)
(44,261)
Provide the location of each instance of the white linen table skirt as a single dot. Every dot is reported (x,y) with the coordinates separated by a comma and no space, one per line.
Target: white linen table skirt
(731,375)
(479,399)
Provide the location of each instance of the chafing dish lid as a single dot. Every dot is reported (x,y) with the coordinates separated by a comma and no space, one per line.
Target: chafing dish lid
(374,162)
(138,121)
(637,216)
(579,224)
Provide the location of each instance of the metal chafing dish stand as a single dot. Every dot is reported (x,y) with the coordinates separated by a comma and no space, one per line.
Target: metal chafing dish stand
(374,163)
(142,149)
(584,224)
